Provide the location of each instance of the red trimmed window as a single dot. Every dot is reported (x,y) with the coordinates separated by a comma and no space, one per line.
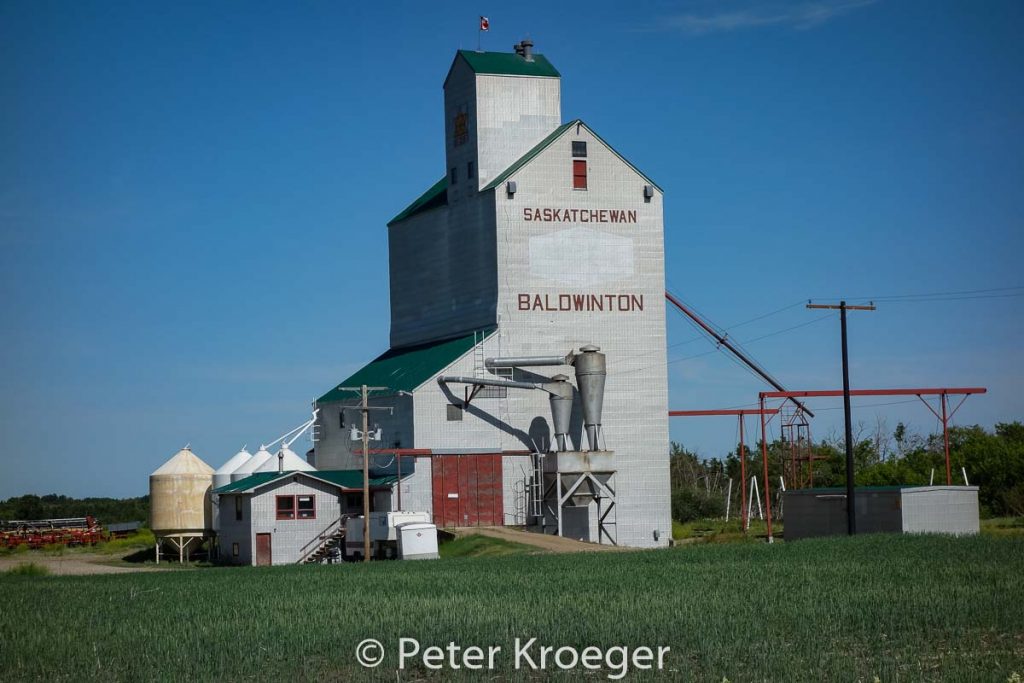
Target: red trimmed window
(579,174)
(296,507)
(305,506)
(286,507)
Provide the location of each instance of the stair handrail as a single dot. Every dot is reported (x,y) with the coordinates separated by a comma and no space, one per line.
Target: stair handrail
(324,536)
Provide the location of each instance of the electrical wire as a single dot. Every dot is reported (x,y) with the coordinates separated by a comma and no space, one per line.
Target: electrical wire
(755,339)
(932,296)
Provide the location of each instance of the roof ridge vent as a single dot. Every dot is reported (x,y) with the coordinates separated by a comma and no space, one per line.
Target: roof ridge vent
(524,49)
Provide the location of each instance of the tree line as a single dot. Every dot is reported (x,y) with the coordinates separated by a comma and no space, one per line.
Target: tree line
(993,460)
(53,506)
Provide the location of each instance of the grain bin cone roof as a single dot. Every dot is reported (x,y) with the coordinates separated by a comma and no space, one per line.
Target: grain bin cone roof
(250,465)
(236,461)
(292,462)
(184,462)
(222,476)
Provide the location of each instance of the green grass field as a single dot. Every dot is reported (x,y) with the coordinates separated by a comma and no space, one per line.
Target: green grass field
(893,607)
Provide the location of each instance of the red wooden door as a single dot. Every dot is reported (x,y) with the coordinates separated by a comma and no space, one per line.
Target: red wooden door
(467,490)
(263,553)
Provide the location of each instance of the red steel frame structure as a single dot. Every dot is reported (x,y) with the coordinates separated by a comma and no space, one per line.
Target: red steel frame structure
(943,393)
(739,412)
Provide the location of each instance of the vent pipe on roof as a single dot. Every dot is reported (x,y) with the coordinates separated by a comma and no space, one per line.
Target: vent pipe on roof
(527,49)
(280,461)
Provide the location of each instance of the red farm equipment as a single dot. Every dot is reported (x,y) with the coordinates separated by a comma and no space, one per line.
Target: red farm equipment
(36,533)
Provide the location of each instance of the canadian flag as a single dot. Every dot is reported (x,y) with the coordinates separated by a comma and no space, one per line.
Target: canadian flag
(485,24)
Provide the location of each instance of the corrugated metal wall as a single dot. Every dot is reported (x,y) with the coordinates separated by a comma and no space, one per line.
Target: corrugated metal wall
(467,490)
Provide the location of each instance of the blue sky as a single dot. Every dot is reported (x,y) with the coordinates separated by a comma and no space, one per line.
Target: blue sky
(193,199)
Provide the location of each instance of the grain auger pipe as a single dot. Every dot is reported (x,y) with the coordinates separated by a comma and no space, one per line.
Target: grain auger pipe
(559,391)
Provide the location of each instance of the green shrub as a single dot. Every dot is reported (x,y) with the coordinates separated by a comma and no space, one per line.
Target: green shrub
(689,504)
(28,569)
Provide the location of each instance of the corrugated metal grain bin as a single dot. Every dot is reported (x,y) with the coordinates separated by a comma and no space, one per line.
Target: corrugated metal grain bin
(179,494)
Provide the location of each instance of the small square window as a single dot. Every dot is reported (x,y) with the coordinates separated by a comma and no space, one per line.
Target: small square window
(470,170)
(286,507)
(454,175)
(234,550)
(579,174)
(579,148)
(454,413)
(306,506)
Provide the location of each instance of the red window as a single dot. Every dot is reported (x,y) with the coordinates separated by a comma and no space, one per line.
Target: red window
(296,507)
(286,507)
(579,174)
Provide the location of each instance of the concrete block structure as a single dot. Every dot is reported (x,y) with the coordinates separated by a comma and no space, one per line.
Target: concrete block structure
(884,509)
(539,240)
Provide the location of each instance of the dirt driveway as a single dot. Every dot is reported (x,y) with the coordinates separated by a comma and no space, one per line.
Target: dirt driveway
(78,564)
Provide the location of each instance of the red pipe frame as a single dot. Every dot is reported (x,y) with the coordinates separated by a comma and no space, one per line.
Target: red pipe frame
(943,393)
(743,445)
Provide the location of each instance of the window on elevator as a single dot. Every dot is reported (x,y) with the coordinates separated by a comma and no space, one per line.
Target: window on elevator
(579,174)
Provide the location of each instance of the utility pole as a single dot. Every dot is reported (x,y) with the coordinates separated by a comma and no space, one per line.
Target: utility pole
(365,409)
(851,512)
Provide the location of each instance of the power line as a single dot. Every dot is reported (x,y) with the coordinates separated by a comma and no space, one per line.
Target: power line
(755,339)
(926,295)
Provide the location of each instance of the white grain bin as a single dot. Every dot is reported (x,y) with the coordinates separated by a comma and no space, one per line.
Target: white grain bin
(179,497)
(417,541)
(222,476)
(286,460)
(249,466)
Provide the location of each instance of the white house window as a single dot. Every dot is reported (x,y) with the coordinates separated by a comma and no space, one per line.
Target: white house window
(306,506)
(286,507)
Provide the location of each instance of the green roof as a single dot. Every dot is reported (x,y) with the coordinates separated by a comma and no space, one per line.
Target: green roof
(436,196)
(252,481)
(403,369)
(546,142)
(508,64)
(346,479)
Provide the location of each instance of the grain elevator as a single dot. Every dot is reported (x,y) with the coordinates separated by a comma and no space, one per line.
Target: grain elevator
(526,368)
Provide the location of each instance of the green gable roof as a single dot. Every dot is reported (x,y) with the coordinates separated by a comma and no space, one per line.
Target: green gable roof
(545,143)
(346,479)
(404,369)
(508,64)
(252,481)
(436,196)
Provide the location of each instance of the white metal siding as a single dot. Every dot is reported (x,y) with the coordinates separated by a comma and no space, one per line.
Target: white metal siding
(291,538)
(941,510)
(235,531)
(635,413)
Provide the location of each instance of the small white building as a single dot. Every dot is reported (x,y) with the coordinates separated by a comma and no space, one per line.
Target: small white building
(274,518)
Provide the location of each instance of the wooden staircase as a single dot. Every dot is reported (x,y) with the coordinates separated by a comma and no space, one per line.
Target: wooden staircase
(325,544)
